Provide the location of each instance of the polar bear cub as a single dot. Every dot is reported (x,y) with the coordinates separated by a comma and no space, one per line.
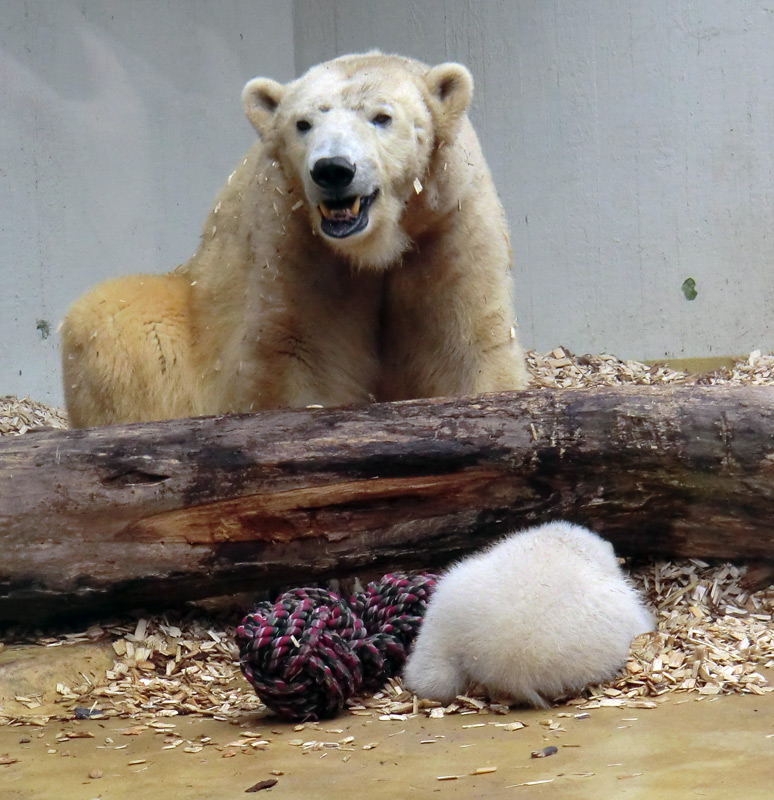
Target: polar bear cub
(540,615)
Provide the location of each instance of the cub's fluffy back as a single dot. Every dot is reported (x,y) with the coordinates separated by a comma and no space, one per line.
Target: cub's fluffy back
(541,613)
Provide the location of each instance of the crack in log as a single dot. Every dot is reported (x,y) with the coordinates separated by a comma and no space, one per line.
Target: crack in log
(134,477)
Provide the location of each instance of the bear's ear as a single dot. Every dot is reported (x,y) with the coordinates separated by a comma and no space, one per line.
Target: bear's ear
(451,85)
(260,99)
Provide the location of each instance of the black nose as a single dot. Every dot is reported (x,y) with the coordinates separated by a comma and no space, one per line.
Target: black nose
(333,173)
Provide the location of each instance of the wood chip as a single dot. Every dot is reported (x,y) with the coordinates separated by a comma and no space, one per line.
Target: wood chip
(529,783)
(79,734)
(21,415)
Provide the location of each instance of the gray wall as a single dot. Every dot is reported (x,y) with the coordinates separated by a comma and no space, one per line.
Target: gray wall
(631,144)
(119,121)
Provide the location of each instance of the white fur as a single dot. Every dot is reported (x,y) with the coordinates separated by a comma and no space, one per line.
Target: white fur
(273,311)
(540,615)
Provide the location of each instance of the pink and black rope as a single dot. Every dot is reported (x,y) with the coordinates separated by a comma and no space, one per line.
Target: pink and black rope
(310,651)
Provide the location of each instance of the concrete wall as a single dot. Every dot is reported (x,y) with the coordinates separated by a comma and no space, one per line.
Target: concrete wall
(631,143)
(119,121)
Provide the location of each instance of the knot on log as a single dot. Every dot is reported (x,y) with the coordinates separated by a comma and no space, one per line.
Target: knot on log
(310,651)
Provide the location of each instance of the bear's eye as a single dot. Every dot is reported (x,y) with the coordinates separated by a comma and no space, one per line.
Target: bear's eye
(382,120)
(303,125)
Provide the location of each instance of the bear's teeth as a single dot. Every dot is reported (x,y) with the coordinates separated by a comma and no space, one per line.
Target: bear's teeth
(341,213)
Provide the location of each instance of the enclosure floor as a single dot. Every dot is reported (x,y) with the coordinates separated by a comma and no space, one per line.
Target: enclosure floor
(721,749)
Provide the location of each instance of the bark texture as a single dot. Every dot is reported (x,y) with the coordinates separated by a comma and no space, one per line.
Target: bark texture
(154,514)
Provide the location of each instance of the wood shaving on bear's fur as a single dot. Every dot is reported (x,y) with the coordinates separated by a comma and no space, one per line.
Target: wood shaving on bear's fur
(715,636)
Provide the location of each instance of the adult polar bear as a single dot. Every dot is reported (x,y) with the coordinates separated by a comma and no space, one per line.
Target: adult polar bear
(358,252)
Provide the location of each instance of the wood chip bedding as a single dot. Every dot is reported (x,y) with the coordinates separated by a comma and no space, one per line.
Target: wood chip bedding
(714,636)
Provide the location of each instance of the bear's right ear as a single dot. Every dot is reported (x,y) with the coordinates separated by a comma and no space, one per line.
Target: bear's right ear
(260,99)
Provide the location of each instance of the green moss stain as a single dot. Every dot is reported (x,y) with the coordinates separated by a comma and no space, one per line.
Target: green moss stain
(689,289)
(45,329)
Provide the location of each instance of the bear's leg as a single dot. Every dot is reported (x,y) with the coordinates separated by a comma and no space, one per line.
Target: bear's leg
(432,673)
(126,352)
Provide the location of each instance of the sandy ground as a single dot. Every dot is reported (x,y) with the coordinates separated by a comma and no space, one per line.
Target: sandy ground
(720,748)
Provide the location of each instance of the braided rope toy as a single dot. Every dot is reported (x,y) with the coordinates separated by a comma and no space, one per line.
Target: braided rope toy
(310,651)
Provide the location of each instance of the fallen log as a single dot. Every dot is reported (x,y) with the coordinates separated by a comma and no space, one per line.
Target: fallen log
(153,514)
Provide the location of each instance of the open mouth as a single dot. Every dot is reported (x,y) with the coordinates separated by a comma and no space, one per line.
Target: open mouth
(342,218)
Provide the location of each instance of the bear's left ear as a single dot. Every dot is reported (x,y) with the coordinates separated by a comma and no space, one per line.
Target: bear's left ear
(260,99)
(451,86)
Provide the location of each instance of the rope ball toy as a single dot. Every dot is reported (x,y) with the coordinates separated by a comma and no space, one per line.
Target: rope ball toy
(310,651)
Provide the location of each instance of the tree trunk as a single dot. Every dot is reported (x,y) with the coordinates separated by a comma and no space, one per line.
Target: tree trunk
(153,514)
